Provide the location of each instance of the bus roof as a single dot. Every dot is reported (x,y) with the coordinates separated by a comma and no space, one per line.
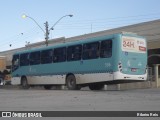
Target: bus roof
(82,41)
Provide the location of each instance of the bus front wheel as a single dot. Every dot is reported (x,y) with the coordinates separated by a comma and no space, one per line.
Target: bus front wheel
(24,83)
(71,83)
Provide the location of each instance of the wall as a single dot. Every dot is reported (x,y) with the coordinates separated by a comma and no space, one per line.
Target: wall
(2,63)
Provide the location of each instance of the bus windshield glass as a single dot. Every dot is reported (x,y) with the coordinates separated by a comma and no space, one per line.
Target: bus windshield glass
(133,44)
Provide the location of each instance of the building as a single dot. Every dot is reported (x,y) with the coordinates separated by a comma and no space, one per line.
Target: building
(150,30)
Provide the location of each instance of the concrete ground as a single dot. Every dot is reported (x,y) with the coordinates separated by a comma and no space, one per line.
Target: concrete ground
(15,99)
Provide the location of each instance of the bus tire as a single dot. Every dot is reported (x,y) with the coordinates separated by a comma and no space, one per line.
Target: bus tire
(71,83)
(96,86)
(24,83)
(47,87)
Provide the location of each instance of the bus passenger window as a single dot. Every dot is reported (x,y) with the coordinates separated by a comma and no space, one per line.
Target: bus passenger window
(74,53)
(15,62)
(59,55)
(91,50)
(35,58)
(106,49)
(24,59)
(46,56)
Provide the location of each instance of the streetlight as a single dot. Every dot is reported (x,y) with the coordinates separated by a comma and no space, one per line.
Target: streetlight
(47,30)
(52,28)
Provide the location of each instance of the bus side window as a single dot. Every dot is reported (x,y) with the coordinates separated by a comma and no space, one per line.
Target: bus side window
(24,59)
(15,62)
(106,49)
(46,56)
(59,55)
(35,58)
(74,53)
(91,50)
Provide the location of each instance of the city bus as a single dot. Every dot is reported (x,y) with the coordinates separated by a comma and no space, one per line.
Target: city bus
(93,62)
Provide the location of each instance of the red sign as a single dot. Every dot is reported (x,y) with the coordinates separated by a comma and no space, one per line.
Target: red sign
(142,48)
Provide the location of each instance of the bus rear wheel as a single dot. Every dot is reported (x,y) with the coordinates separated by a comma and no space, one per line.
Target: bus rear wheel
(96,86)
(24,83)
(71,83)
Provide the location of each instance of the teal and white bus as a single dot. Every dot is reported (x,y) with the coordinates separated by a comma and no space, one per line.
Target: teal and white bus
(93,62)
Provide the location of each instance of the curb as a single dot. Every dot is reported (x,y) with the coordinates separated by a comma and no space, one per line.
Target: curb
(9,87)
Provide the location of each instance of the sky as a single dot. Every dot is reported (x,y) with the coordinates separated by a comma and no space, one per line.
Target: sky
(88,16)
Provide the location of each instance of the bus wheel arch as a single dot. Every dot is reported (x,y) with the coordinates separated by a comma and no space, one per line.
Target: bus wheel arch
(24,83)
(71,82)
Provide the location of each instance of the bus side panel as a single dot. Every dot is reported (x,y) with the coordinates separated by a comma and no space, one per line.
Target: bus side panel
(44,80)
(93,78)
(101,68)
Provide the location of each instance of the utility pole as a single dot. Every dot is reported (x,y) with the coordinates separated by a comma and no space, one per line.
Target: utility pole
(46,33)
(47,30)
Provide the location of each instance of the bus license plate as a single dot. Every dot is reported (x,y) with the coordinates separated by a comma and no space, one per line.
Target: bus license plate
(133,69)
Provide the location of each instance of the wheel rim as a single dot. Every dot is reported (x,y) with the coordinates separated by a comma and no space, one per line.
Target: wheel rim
(71,82)
(24,83)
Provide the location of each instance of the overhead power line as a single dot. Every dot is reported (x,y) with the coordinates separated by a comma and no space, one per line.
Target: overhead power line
(97,24)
